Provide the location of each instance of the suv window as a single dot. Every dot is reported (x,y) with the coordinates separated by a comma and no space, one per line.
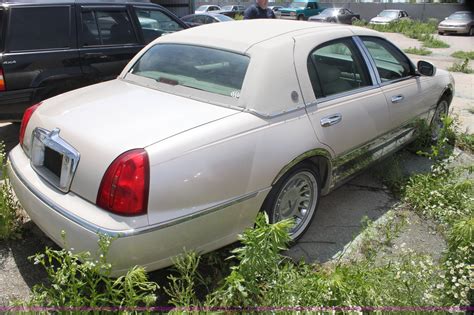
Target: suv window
(391,63)
(337,67)
(35,28)
(155,23)
(102,27)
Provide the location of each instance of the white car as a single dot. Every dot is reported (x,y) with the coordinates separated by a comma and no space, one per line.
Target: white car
(208,9)
(196,135)
(388,16)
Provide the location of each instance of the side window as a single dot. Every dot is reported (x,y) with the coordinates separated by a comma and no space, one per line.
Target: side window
(101,27)
(391,63)
(311,5)
(39,28)
(155,23)
(337,67)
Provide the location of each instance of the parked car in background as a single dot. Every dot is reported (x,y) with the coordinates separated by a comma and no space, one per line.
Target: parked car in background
(232,10)
(460,22)
(275,6)
(388,16)
(336,15)
(195,136)
(208,8)
(48,48)
(205,18)
(299,10)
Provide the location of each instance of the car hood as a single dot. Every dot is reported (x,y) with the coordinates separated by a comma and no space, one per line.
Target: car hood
(382,19)
(454,22)
(105,120)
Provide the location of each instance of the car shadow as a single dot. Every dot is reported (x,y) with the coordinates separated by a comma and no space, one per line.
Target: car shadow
(9,133)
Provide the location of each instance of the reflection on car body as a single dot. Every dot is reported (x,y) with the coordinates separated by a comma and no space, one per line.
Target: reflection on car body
(184,148)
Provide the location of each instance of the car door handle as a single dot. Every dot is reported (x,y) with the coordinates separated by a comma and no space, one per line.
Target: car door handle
(331,120)
(397,99)
(95,55)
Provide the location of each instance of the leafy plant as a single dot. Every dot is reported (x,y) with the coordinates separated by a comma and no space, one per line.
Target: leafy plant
(418,51)
(431,42)
(10,216)
(465,141)
(461,67)
(79,280)
(463,54)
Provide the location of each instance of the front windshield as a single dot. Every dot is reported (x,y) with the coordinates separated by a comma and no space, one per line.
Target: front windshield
(329,12)
(202,8)
(389,14)
(207,69)
(460,16)
(227,8)
(298,5)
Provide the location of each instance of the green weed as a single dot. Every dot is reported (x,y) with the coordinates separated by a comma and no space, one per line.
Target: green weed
(461,67)
(465,141)
(431,42)
(79,280)
(418,51)
(10,216)
(463,54)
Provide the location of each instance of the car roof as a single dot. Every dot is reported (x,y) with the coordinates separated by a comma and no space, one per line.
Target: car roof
(248,33)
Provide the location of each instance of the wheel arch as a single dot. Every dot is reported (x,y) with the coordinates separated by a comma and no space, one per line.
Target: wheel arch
(448,94)
(320,159)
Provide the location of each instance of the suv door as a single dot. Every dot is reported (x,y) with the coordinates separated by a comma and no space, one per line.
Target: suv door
(107,39)
(40,57)
(347,109)
(154,22)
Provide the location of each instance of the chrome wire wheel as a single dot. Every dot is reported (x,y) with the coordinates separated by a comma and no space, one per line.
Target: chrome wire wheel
(437,121)
(297,199)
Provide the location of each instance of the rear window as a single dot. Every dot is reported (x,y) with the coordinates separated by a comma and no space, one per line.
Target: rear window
(207,69)
(39,28)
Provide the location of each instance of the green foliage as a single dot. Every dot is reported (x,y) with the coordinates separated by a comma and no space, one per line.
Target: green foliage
(79,280)
(390,173)
(361,22)
(431,42)
(463,54)
(465,141)
(461,67)
(10,217)
(418,51)
(238,17)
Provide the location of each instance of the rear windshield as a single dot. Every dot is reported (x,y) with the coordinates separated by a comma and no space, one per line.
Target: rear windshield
(207,69)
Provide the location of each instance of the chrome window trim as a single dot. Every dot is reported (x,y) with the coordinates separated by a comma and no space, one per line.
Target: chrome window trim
(340,95)
(374,74)
(132,231)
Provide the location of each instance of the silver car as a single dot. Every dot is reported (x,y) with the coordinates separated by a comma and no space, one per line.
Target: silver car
(196,136)
(461,22)
(388,16)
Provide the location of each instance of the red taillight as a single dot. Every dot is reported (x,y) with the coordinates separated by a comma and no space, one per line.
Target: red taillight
(124,187)
(2,81)
(26,118)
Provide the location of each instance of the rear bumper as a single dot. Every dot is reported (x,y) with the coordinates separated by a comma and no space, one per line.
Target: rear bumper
(287,17)
(150,247)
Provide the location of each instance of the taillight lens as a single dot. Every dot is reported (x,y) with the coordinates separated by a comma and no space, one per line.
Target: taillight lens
(2,81)
(26,118)
(124,187)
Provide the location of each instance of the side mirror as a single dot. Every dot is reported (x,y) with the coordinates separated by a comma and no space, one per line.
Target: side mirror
(426,68)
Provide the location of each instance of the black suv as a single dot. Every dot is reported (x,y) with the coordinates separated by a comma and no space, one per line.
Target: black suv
(48,47)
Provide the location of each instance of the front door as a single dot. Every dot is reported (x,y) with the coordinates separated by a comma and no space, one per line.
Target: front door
(347,109)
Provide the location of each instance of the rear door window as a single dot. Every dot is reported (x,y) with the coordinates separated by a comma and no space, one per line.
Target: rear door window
(34,28)
(107,27)
(155,23)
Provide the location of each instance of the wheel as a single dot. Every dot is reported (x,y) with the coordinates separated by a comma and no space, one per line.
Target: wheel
(471,31)
(296,196)
(440,33)
(436,121)
(300,17)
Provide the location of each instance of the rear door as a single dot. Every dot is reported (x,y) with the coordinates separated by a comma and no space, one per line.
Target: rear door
(107,40)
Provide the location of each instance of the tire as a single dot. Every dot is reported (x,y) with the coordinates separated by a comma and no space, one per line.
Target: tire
(436,122)
(471,31)
(300,17)
(440,33)
(300,189)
